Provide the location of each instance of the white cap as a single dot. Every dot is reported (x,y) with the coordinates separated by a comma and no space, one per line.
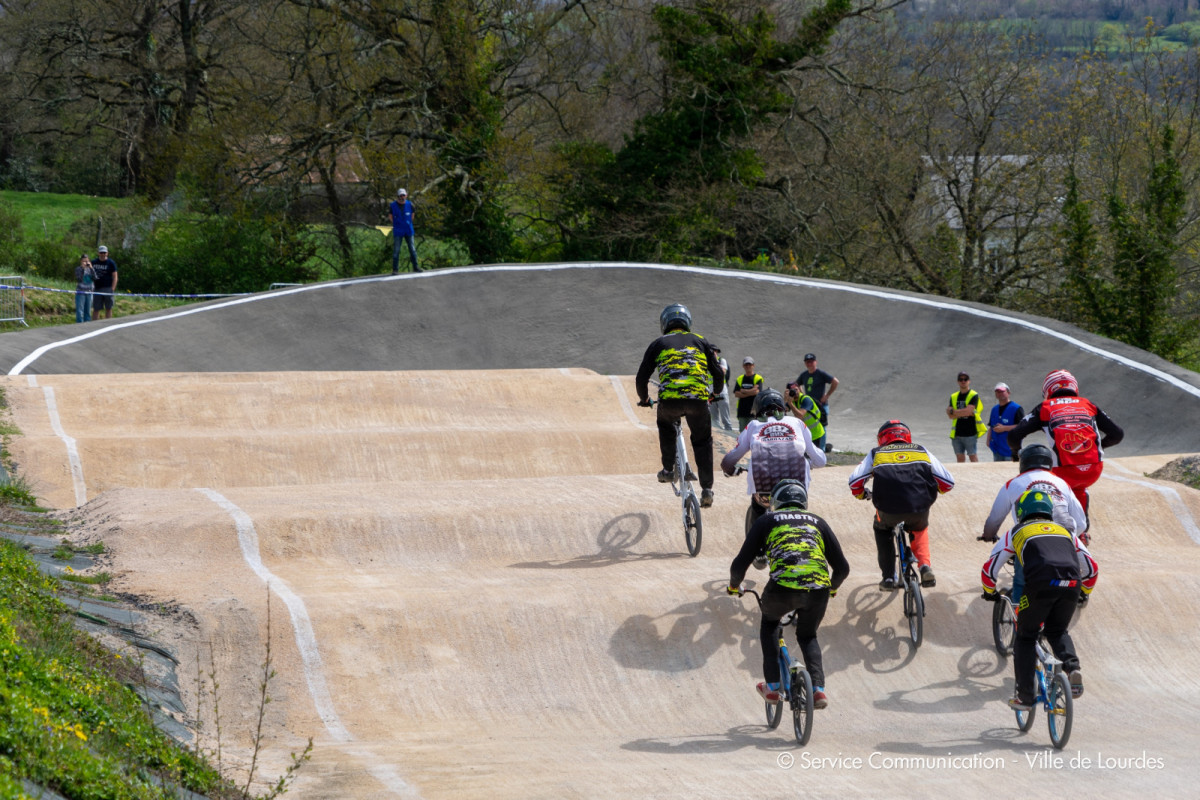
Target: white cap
(101,249)
(402,193)
(1001,387)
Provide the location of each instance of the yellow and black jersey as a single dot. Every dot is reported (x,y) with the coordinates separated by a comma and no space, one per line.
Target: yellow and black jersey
(907,478)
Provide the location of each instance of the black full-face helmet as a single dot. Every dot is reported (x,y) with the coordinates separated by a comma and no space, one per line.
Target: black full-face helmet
(789,493)
(1035,456)
(675,316)
(768,401)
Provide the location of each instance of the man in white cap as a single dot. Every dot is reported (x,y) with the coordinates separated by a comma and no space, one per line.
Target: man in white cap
(401,211)
(1005,416)
(106,284)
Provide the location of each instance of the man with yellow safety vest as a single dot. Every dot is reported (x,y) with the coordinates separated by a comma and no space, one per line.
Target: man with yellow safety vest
(966,411)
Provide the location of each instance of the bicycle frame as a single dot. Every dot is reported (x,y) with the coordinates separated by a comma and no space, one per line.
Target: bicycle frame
(681,484)
(693,529)
(910,578)
(1053,695)
(795,684)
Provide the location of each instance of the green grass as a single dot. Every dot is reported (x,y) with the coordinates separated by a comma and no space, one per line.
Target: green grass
(51,216)
(68,719)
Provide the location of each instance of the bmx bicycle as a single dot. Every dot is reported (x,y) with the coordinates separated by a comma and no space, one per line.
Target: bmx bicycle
(1004,612)
(681,484)
(909,576)
(795,684)
(1053,695)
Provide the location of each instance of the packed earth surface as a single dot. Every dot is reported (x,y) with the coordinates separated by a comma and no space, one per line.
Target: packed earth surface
(429,501)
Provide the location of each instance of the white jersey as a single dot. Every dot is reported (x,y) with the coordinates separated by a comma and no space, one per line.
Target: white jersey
(778,448)
(1067,510)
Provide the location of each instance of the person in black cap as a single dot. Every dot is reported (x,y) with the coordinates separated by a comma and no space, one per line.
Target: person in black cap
(745,389)
(817,384)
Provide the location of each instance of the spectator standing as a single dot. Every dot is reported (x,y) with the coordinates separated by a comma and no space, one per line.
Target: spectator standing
(401,211)
(966,412)
(719,408)
(105,284)
(806,409)
(817,384)
(1003,418)
(745,390)
(85,279)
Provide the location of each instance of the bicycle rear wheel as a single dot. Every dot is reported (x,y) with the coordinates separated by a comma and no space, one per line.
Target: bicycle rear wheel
(802,705)
(693,528)
(1004,626)
(1061,710)
(914,609)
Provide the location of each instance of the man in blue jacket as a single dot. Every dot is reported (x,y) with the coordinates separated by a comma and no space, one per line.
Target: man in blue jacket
(401,211)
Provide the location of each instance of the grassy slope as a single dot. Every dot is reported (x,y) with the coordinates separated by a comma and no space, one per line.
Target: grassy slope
(52,217)
(68,719)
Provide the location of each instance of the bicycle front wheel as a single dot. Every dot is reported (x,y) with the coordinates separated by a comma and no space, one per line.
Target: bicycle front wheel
(1004,626)
(693,529)
(802,705)
(914,609)
(1061,710)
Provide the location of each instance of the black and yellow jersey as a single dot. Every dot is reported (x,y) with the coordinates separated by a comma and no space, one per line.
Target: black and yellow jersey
(687,368)
(1049,553)
(908,478)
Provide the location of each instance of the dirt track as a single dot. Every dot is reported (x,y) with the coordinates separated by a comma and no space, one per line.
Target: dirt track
(477,589)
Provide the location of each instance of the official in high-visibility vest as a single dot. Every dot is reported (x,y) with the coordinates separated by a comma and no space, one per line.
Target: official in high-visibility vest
(966,411)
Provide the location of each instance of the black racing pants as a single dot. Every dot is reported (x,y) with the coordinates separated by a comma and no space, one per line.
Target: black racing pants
(699,426)
(1054,606)
(809,605)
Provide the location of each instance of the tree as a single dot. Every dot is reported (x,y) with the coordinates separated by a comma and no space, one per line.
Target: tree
(665,192)
(134,72)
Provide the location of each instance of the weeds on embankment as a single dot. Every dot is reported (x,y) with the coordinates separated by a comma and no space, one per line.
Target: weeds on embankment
(71,720)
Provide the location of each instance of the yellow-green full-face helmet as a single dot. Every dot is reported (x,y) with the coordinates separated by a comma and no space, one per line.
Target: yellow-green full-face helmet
(1035,503)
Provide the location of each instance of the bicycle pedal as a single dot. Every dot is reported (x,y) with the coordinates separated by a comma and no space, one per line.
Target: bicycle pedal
(691,476)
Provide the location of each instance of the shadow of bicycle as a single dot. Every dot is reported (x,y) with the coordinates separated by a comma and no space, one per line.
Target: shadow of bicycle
(616,542)
(860,637)
(685,637)
(737,738)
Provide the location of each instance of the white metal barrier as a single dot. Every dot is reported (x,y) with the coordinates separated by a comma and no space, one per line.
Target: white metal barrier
(12,299)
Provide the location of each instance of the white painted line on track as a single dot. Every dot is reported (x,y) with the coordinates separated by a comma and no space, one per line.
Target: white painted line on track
(306,642)
(625,404)
(1178,507)
(764,277)
(72,450)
